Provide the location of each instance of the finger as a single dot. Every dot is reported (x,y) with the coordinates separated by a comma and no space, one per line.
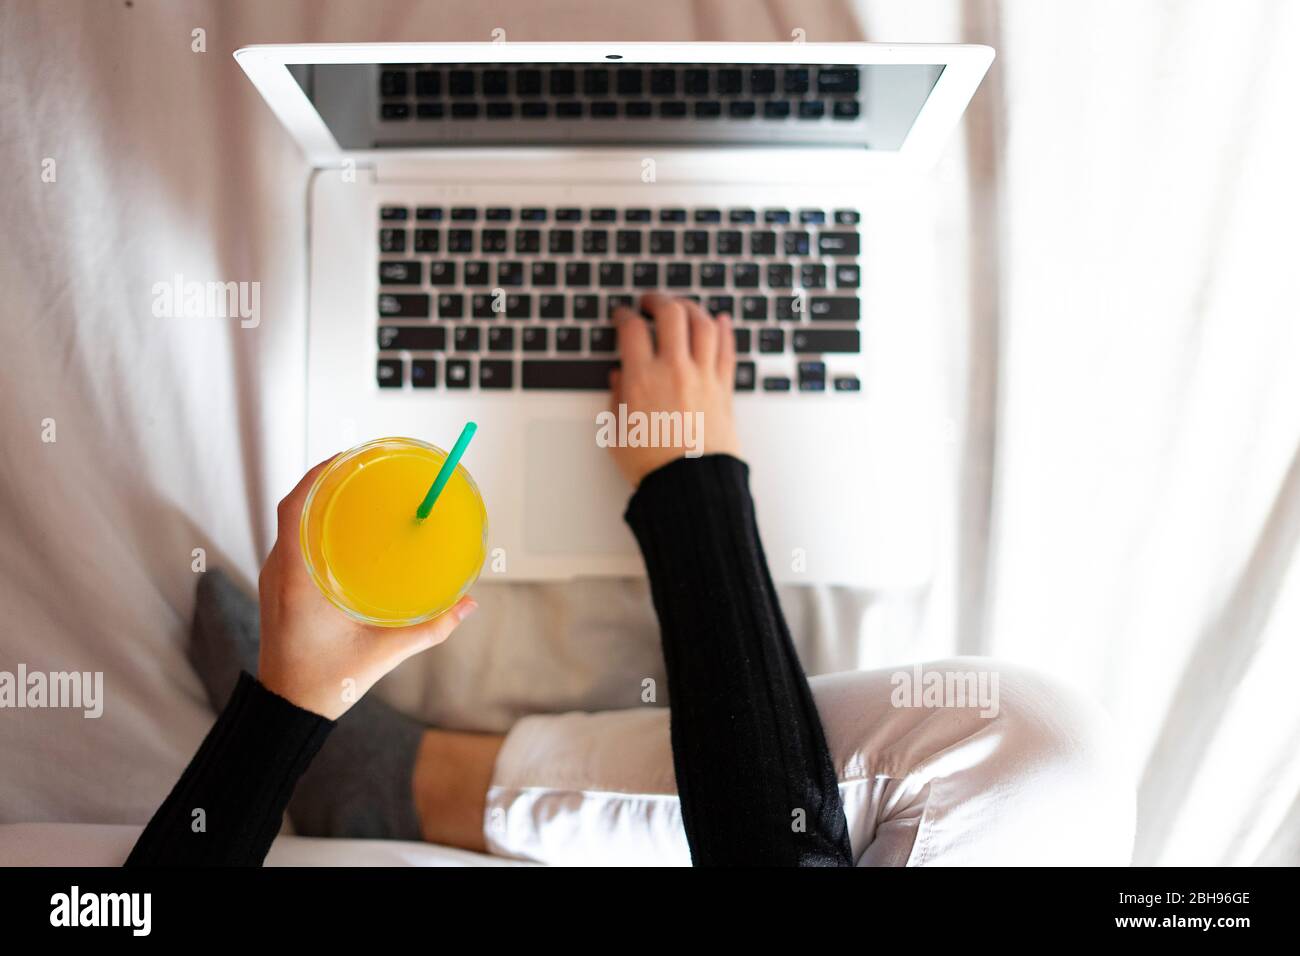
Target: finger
(633,339)
(704,336)
(290,508)
(671,331)
(615,388)
(407,641)
(726,350)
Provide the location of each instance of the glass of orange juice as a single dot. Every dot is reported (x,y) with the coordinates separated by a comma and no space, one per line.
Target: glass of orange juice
(367,551)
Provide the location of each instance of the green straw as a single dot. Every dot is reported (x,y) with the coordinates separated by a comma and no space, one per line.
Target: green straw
(446,471)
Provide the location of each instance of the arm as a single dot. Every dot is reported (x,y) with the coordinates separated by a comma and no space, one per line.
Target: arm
(750,756)
(314,662)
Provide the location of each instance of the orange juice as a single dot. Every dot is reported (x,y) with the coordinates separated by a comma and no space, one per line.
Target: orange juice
(367,551)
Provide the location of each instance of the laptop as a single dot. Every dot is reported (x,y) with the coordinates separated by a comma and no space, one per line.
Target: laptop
(477,210)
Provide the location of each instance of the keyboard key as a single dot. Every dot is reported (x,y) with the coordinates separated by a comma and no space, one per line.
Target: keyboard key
(645,275)
(627,242)
(826,340)
(532,214)
(663,242)
(745,376)
(478,273)
(584,374)
(412,338)
(460,240)
(458,373)
(812,376)
(846,109)
(776,109)
(568,109)
(771,340)
(838,79)
(528,242)
(739,217)
(796,244)
(492,241)
(451,305)
(442,273)
(403,306)
(528,83)
(463,111)
(568,339)
(708,109)
(563,82)
(713,275)
(629,81)
(637,215)
(560,242)
(812,217)
(796,79)
(395,111)
(672,109)
(780,275)
(812,276)
(847,383)
(717,304)
(389,373)
(742,109)
(426,240)
(495,83)
(429,110)
(826,308)
(400,273)
(510,273)
(460,83)
(847,217)
(776,216)
(544,273)
(847,277)
(536,338)
(776,383)
(595,242)
(496,373)
(729,242)
(743,340)
(678,275)
(550,307)
(838,243)
(586,308)
(568,214)
(595,81)
(464,214)
(620,301)
(499,110)
(429,213)
(466,338)
(483,306)
(498,214)
(789,308)
(393,83)
(501,338)
(762,81)
(672,215)
(424,373)
(695,82)
(729,82)
(753,308)
(611,275)
(695,242)
(392,240)
(812,109)
(603,338)
(762,243)
(519,305)
(663,82)
(744,275)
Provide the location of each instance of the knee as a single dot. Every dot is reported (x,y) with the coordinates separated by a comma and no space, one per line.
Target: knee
(1061,769)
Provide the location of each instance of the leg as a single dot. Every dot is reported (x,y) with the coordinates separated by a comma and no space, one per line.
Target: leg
(1036,780)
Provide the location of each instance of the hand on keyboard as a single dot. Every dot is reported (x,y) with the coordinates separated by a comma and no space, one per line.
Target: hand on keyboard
(688,366)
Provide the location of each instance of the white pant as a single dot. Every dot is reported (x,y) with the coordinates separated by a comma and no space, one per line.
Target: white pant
(1041,782)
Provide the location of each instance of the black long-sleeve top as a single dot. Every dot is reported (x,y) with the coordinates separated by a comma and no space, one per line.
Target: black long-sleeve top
(754,775)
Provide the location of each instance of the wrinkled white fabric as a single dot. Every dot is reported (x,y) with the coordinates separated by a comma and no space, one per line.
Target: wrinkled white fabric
(1038,780)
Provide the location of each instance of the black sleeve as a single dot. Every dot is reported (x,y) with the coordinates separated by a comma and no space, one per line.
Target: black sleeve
(747,742)
(241,778)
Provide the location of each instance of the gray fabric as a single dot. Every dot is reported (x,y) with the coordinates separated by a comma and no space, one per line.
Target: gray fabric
(359,785)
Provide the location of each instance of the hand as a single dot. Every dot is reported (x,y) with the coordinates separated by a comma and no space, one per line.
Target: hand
(309,647)
(694,370)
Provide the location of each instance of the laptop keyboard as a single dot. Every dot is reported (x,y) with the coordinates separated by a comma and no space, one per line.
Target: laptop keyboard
(774,93)
(521,298)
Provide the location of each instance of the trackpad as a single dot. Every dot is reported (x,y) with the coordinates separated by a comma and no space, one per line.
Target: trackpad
(574,496)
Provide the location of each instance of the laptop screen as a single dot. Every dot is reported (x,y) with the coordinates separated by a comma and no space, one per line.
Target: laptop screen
(386,106)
